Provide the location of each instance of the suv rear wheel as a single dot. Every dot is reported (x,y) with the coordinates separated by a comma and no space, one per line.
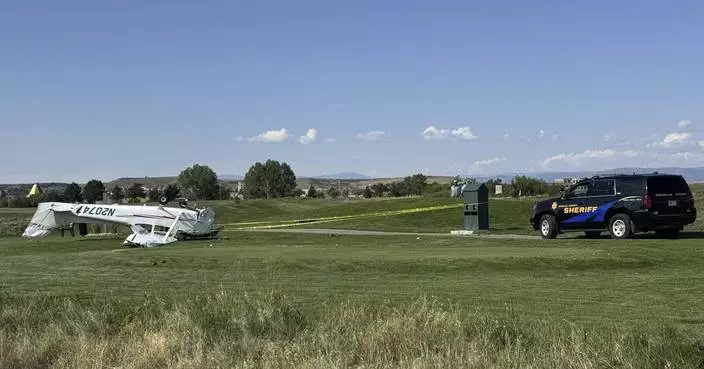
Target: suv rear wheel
(548,226)
(620,226)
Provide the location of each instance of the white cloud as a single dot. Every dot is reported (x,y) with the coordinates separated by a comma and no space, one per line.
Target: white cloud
(577,159)
(541,134)
(432,133)
(481,164)
(372,136)
(674,139)
(686,158)
(310,137)
(462,133)
(329,140)
(610,137)
(677,138)
(506,136)
(240,138)
(272,136)
(488,161)
(684,123)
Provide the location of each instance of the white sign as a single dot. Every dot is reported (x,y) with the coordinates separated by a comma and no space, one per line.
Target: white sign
(499,189)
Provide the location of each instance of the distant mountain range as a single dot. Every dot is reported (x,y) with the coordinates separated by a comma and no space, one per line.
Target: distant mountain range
(690,174)
(345,175)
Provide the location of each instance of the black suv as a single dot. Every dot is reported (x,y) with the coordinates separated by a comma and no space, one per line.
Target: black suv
(619,204)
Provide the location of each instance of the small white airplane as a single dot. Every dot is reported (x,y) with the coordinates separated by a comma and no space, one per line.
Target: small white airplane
(151,225)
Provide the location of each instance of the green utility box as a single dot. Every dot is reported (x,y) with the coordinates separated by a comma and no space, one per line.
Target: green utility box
(476,206)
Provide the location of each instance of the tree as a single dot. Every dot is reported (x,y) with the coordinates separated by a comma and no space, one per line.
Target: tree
(528,186)
(154,194)
(117,194)
(288,180)
(311,192)
(379,189)
(135,191)
(199,181)
(19,202)
(398,189)
(93,191)
(333,192)
(254,182)
(171,192)
(52,196)
(72,193)
(367,192)
(415,184)
(224,192)
(269,180)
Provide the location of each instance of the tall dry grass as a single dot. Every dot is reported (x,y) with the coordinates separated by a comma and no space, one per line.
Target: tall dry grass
(268,331)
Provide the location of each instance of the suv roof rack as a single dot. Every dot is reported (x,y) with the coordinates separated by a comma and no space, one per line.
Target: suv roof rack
(617,174)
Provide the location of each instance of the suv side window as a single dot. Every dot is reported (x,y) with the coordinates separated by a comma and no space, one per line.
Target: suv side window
(601,187)
(579,190)
(630,187)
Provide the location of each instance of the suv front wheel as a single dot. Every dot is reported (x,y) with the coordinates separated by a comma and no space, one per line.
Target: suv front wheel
(548,226)
(620,226)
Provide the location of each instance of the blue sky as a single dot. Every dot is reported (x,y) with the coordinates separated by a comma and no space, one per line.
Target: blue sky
(132,88)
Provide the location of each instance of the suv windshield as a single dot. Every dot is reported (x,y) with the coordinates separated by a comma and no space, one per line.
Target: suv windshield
(668,185)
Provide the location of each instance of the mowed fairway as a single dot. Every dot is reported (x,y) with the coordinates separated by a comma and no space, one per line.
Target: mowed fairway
(595,282)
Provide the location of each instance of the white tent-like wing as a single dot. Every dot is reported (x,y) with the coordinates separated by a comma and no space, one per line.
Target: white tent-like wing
(151,225)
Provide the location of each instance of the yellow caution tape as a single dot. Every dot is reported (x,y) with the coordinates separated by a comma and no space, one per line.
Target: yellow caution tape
(293,223)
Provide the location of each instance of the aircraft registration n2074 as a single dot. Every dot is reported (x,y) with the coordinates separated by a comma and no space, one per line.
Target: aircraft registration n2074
(150,225)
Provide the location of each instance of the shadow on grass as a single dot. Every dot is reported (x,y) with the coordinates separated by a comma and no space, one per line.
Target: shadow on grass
(643,236)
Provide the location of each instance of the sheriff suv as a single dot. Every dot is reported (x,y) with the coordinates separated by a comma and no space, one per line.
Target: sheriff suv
(619,204)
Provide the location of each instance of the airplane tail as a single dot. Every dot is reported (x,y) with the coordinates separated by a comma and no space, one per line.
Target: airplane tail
(43,221)
(35,230)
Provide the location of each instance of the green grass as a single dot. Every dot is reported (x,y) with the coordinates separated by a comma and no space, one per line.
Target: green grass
(342,301)
(587,281)
(266,330)
(258,299)
(506,216)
